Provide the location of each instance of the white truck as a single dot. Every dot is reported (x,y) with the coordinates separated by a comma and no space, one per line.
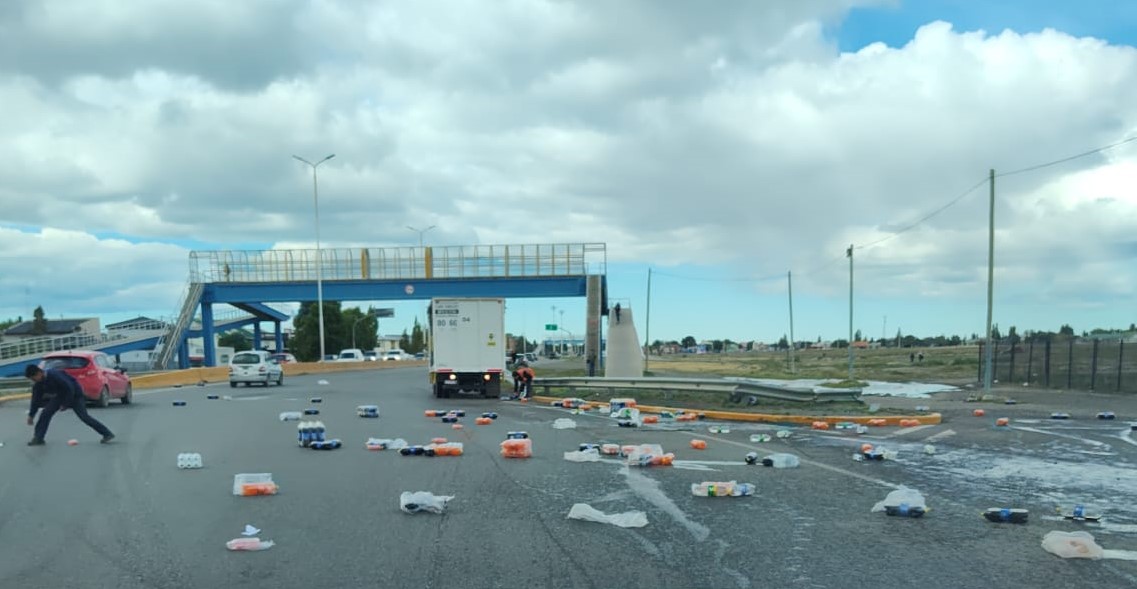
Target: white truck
(467,346)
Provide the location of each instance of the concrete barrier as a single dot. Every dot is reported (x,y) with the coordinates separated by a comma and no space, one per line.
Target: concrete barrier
(191,376)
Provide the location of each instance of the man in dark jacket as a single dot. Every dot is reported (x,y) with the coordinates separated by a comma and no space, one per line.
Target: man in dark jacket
(55,390)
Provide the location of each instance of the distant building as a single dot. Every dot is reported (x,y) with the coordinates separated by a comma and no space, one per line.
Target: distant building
(54,328)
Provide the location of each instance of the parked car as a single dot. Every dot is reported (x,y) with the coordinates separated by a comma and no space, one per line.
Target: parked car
(530,357)
(100,378)
(420,356)
(395,354)
(370,355)
(255,366)
(284,358)
(351,355)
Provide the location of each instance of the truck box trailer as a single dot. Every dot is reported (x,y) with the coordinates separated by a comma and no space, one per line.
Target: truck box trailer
(467,346)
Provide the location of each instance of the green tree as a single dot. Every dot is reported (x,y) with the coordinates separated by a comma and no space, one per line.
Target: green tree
(784,343)
(39,322)
(996,335)
(717,345)
(361,328)
(404,341)
(1066,330)
(1013,335)
(418,339)
(857,336)
(689,341)
(305,341)
(238,339)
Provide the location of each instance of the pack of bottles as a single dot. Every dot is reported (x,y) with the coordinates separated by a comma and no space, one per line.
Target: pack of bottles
(1003,514)
(189,460)
(371,411)
(311,412)
(290,416)
(332,444)
(309,431)
(722,489)
(517,447)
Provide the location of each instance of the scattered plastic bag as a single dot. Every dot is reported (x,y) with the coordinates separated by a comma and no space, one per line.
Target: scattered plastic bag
(909,499)
(628,519)
(249,544)
(564,423)
(1072,545)
(290,416)
(250,530)
(423,501)
(590,455)
(783,433)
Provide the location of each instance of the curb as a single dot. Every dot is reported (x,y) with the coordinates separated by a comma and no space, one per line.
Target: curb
(16,397)
(924,419)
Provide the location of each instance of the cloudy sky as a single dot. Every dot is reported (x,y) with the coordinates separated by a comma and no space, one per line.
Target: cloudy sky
(720,144)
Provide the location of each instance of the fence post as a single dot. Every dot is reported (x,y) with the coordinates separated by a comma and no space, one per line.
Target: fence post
(1029,361)
(1070,364)
(1046,363)
(1120,357)
(979,370)
(1094,366)
(1011,366)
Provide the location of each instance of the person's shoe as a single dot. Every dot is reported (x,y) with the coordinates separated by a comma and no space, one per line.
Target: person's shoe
(106,439)
(35,442)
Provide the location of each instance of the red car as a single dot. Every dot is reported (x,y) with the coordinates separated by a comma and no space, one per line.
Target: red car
(96,373)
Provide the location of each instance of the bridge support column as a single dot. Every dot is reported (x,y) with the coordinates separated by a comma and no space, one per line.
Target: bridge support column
(279,337)
(594,303)
(257,345)
(183,354)
(207,334)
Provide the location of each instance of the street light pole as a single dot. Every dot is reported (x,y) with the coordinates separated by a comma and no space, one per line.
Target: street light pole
(319,255)
(562,326)
(420,232)
(367,316)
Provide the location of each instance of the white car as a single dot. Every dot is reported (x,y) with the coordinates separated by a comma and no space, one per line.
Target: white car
(395,355)
(254,366)
(351,355)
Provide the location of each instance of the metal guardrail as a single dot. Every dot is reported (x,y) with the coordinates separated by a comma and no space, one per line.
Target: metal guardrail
(738,390)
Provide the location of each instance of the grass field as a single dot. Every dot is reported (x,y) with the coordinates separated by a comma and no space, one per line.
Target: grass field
(951,365)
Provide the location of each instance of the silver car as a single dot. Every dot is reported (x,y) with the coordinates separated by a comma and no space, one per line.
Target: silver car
(254,366)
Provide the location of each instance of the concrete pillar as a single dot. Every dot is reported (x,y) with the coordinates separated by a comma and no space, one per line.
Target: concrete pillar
(279,337)
(257,335)
(594,303)
(207,334)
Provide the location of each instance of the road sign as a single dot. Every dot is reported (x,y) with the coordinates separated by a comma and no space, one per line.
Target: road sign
(550,327)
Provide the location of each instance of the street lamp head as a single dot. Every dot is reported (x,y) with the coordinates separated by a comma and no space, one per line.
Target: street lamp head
(328,158)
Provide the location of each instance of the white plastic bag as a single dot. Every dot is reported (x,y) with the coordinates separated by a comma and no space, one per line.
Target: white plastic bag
(628,519)
(564,423)
(249,544)
(899,497)
(589,455)
(781,460)
(423,501)
(1072,545)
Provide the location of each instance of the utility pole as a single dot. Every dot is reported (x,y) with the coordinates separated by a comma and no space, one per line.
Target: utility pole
(849,253)
(647,322)
(793,350)
(988,360)
(883,330)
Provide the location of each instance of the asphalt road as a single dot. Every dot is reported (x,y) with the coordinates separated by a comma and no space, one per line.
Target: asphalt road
(124,516)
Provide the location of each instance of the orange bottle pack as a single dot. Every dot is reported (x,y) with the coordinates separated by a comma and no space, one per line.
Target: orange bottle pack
(651,419)
(699,444)
(820,425)
(517,448)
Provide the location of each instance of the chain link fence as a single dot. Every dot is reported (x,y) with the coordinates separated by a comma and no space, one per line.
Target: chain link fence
(1069,363)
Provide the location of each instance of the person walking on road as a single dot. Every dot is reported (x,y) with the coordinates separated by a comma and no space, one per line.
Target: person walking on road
(617,309)
(54,390)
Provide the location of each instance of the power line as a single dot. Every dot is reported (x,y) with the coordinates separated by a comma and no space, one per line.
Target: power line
(1067,159)
(925,218)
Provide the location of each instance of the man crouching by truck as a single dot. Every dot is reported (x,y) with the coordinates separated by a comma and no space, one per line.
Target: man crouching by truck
(522,381)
